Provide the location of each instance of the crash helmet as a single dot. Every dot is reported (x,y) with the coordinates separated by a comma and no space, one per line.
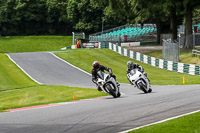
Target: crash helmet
(95,65)
(135,65)
(129,64)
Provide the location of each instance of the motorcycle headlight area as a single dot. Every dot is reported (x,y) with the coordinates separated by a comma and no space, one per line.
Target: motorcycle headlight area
(101,83)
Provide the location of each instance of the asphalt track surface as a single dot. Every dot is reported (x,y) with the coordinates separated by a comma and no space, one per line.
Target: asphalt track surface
(103,115)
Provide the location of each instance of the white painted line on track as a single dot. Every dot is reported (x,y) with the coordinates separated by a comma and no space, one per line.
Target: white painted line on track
(77,67)
(69,63)
(126,131)
(23,70)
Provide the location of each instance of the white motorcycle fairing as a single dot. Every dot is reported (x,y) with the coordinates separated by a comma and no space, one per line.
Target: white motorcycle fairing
(108,84)
(139,80)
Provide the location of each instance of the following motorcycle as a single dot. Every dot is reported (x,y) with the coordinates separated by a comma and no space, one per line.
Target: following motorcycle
(139,80)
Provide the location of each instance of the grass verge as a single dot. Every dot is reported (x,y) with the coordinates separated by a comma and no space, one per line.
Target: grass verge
(185,124)
(85,57)
(33,43)
(43,94)
(11,77)
(18,90)
(185,56)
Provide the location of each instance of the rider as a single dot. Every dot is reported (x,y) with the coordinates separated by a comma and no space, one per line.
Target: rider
(97,67)
(131,65)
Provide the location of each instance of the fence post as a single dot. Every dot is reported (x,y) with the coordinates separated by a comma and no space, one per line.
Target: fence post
(194,40)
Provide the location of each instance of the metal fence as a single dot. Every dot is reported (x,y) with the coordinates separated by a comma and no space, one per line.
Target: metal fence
(194,39)
(170,50)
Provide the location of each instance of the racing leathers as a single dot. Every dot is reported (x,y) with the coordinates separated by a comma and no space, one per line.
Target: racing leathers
(134,66)
(95,76)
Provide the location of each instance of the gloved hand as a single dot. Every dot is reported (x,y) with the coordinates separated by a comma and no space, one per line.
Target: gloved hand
(111,74)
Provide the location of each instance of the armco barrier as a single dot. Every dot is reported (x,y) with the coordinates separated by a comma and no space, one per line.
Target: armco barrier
(160,63)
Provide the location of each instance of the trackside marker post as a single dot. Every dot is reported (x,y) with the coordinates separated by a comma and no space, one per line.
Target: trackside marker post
(74,97)
(183,80)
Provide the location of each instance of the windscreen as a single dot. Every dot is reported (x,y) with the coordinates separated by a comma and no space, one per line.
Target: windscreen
(100,75)
(132,72)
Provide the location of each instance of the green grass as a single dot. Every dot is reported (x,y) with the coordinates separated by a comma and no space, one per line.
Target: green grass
(11,77)
(33,43)
(157,54)
(185,56)
(18,90)
(84,59)
(44,94)
(185,124)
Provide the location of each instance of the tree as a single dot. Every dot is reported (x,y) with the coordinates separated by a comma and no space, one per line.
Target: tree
(189,8)
(196,15)
(150,11)
(112,15)
(112,18)
(7,17)
(140,11)
(86,15)
(57,16)
(22,16)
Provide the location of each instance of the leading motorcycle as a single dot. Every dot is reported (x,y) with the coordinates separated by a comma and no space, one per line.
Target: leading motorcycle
(108,84)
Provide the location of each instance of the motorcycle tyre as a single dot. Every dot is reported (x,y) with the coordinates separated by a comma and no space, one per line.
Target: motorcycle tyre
(142,87)
(150,90)
(119,94)
(111,91)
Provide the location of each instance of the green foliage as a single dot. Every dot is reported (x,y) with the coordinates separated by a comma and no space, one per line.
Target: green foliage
(57,16)
(23,16)
(196,15)
(37,17)
(86,15)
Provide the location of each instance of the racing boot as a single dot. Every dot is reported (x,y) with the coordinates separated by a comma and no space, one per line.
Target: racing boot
(117,84)
(99,88)
(150,90)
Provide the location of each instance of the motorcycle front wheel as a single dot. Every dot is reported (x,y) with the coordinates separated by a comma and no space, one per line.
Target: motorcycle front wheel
(150,90)
(142,87)
(111,90)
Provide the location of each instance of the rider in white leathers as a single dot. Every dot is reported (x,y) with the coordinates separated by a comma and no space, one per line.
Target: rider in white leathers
(131,66)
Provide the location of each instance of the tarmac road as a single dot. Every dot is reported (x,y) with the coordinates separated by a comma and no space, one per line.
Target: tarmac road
(49,70)
(103,115)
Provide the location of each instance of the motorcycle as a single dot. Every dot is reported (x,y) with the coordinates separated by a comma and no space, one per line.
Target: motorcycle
(108,84)
(139,80)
